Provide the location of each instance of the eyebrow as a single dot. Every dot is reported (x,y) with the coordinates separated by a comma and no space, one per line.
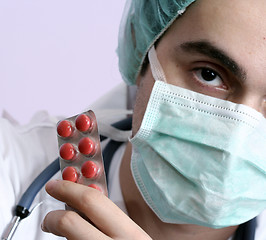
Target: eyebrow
(211,51)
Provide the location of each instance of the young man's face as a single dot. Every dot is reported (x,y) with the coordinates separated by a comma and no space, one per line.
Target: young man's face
(217,48)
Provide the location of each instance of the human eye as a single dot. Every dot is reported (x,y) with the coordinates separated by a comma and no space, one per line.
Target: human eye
(209,77)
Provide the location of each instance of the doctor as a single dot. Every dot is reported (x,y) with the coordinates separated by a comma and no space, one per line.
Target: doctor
(192,169)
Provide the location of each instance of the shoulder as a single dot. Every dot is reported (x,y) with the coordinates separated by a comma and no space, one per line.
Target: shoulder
(24,141)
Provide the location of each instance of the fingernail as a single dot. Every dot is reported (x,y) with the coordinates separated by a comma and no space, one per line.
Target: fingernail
(44,228)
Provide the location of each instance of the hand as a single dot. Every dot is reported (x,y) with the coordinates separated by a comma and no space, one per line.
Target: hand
(109,222)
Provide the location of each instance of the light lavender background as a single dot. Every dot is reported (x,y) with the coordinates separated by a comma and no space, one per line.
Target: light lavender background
(57,55)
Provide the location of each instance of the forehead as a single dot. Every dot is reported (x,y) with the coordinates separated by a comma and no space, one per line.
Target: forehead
(225,19)
(237,26)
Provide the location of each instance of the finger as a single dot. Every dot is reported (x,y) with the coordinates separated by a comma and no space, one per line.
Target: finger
(96,206)
(70,225)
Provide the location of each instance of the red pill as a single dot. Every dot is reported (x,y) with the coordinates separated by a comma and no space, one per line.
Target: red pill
(83,123)
(87,146)
(70,174)
(95,187)
(67,151)
(89,169)
(64,129)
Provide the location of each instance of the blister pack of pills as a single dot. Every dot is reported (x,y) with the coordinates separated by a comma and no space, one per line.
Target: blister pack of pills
(80,151)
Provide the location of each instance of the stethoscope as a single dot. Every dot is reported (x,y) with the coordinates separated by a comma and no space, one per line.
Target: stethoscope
(245,231)
(22,209)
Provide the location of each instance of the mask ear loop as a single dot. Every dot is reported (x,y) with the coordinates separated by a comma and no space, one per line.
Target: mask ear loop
(156,68)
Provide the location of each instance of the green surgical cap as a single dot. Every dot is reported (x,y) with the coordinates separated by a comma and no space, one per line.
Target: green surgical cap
(143,22)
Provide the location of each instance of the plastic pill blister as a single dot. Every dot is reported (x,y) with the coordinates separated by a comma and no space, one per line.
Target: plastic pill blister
(80,151)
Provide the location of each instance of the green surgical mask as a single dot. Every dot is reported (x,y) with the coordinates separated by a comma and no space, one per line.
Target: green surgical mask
(198,159)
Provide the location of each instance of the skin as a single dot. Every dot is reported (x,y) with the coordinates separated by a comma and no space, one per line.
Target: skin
(237,29)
